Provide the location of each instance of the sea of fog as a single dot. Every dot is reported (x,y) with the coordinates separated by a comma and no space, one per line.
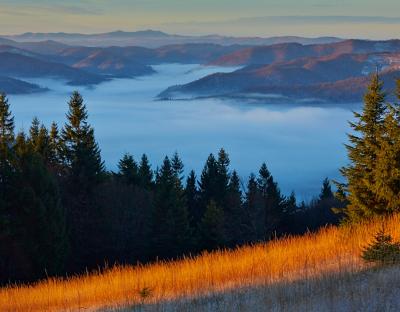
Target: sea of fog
(301,145)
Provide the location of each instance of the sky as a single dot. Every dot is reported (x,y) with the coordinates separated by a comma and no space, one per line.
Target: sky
(345,18)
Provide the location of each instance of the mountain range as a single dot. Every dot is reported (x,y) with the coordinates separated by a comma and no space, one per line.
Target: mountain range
(155,39)
(337,72)
(331,71)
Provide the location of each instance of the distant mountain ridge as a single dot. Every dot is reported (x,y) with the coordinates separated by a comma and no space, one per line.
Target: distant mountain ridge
(21,66)
(156,39)
(291,51)
(335,77)
(284,71)
(16,86)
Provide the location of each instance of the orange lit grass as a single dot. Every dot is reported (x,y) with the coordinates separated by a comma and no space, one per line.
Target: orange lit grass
(332,250)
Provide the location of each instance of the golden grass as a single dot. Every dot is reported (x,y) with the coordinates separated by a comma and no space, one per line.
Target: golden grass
(331,250)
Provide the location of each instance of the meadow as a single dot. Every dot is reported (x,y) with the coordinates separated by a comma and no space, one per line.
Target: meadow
(316,263)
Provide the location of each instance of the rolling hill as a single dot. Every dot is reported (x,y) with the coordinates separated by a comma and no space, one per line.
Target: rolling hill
(291,51)
(16,86)
(22,66)
(333,78)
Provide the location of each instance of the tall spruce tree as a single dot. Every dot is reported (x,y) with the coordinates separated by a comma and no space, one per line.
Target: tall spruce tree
(84,171)
(223,176)
(363,149)
(55,149)
(212,232)
(326,190)
(235,221)
(209,183)
(274,202)
(192,200)
(39,139)
(387,186)
(145,173)
(255,207)
(7,174)
(81,151)
(171,231)
(6,138)
(129,170)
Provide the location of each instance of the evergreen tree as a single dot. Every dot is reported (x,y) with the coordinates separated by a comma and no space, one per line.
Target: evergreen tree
(81,151)
(223,174)
(171,224)
(7,174)
(273,200)
(212,227)
(362,152)
(254,205)
(128,169)
(33,236)
(387,186)
(6,140)
(291,203)
(326,190)
(34,130)
(209,182)
(39,139)
(39,212)
(84,171)
(55,149)
(192,200)
(145,173)
(177,167)
(236,229)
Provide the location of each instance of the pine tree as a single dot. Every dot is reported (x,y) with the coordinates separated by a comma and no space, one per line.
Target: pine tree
(214,180)
(326,190)
(84,170)
(387,186)
(129,170)
(273,200)
(209,182)
(177,167)
(223,174)
(212,227)
(235,220)
(171,224)
(33,232)
(6,138)
(34,130)
(39,212)
(81,151)
(254,205)
(362,152)
(39,139)
(145,173)
(55,149)
(7,175)
(192,200)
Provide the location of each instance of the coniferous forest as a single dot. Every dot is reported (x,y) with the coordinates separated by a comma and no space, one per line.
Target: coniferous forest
(63,212)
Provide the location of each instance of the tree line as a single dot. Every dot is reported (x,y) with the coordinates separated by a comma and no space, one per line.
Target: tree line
(62,212)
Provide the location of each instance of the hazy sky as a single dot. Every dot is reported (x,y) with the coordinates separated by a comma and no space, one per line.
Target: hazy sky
(346,18)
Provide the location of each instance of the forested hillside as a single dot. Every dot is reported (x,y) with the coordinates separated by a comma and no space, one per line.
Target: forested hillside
(62,211)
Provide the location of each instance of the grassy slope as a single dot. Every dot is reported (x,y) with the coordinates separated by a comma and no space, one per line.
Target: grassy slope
(368,291)
(312,262)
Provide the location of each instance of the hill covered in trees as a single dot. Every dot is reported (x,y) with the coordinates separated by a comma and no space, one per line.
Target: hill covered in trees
(62,211)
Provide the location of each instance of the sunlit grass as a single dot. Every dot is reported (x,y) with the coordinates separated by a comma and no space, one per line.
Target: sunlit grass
(331,250)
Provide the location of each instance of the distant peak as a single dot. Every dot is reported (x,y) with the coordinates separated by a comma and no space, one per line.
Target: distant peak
(146,32)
